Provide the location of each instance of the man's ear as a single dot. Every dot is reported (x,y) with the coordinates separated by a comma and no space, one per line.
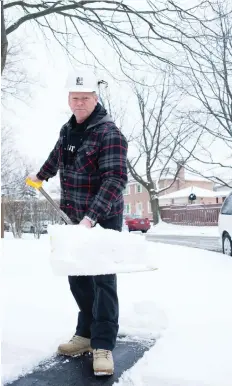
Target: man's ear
(95,96)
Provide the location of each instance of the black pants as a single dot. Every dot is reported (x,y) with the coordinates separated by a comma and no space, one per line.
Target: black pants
(97,299)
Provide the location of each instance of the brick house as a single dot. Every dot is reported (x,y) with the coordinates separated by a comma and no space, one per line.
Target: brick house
(137,199)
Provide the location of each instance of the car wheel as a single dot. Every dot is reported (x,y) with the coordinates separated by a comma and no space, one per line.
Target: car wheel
(227,245)
(144,231)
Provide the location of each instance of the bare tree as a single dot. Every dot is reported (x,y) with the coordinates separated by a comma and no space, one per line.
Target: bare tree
(21,204)
(42,213)
(208,87)
(9,157)
(210,77)
(220,173)
(13,166)
(159,140)
(51,215)
(14,81)
(6,140)
(7,165)
(17,197)
(4,42)
(117,112)
(37,214)
(14,214)
(15,204)
(131,31)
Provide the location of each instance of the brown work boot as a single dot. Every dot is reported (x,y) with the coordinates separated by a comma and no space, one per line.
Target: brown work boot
(103,363)
(75,347)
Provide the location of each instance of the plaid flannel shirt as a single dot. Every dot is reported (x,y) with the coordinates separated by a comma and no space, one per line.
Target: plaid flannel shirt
(93,186)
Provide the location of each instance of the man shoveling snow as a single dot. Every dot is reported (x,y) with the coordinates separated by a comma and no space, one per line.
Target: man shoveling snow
(91,156)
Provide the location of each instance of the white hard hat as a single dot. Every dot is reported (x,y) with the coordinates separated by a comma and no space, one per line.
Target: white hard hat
(81,81)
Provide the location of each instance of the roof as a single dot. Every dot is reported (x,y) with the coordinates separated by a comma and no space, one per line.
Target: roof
(169,176)
(199,192)
(194,177)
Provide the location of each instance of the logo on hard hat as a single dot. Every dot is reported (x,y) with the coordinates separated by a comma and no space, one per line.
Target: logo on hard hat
(79,81)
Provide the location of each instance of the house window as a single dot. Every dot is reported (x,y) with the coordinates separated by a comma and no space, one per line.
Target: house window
(139,208)
(127,209)
(139,188)
(127,191)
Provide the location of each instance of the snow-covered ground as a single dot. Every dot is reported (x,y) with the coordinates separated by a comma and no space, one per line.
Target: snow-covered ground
(184,230)
(186,305)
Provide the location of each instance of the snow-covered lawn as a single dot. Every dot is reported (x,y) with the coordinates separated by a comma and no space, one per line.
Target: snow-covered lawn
(183,230)
(186,305)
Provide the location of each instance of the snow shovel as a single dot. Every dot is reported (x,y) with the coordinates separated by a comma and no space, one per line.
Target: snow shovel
(38,186)
(106,251)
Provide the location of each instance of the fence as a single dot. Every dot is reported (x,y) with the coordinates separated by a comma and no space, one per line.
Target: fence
(198,215)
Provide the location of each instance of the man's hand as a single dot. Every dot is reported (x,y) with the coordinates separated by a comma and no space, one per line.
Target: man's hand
(86,223)
(33,178)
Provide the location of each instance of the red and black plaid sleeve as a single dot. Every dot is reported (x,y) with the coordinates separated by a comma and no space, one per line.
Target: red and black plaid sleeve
(113,171)
(51,165)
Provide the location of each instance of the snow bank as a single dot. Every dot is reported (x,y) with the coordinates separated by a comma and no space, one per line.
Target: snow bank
(194,288)
(183,230)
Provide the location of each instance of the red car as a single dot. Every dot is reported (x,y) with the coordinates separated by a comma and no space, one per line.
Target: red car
(136,223)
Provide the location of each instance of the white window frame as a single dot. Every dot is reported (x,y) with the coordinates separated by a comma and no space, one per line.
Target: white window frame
(141,210)
(127,205)
(139,186)
(127,191)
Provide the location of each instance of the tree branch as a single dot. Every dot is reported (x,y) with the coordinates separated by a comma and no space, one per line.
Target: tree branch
(4,42)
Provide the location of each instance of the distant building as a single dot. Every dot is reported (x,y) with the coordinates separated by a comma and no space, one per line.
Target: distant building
(137,198)
(181,197)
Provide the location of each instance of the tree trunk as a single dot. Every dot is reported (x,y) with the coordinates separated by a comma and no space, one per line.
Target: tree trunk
(4,42)
(155,209)
(2,217)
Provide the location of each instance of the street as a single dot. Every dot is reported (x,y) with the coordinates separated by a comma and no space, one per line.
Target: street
(202,242)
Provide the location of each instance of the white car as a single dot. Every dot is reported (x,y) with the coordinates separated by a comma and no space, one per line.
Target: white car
(225,225)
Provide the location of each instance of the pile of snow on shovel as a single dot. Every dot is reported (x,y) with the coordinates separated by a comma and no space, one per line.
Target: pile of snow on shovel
(77,250)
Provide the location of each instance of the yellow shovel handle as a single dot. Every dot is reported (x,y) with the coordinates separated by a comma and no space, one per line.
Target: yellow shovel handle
(36,185)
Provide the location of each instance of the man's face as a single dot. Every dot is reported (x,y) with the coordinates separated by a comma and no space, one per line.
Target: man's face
(82,104)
